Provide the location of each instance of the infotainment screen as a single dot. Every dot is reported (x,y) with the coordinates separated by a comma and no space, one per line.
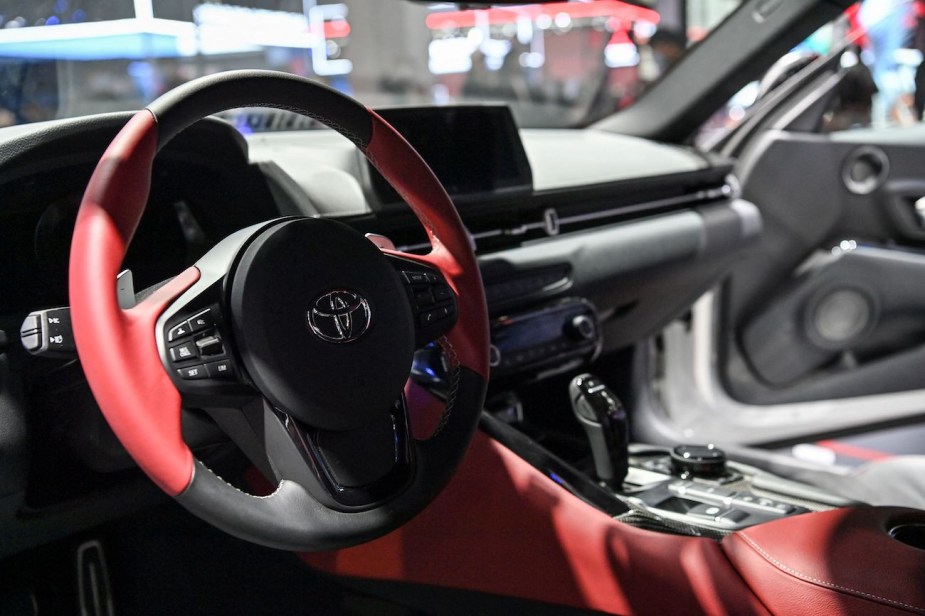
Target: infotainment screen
(486,157)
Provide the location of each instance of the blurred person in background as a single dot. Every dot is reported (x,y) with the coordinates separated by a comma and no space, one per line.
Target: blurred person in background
(888,24)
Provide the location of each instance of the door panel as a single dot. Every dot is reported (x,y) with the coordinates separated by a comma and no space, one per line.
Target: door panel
(801,340)
(831,303)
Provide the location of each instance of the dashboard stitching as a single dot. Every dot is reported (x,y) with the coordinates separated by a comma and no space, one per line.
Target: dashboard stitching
(809,578)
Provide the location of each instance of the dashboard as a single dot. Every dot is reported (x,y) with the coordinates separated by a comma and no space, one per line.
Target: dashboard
(567,224)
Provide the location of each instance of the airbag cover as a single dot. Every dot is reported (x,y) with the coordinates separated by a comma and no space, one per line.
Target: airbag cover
(323,323)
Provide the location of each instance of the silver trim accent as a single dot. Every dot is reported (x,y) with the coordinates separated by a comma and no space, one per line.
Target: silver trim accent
(551,221)
(125,289)
(700,197)
(92,571)
(381,241)
(872,183)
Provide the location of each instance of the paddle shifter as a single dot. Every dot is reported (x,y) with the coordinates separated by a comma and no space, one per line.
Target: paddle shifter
(602,416)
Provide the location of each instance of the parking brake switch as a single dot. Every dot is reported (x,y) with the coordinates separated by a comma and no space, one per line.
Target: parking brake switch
(601,415)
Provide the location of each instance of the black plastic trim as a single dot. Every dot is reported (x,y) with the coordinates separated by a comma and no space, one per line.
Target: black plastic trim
(564,474)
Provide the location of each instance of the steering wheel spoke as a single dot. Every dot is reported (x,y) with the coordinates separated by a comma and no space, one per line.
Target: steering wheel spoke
(350,470)
(194,334)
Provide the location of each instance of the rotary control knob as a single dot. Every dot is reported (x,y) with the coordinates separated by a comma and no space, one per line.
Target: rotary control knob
(698,461)
(582,327)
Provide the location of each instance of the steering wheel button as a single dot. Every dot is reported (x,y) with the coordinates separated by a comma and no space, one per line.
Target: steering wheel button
(201,321)
(193,373)
(429,318)
(442,293)
(179,331)
(423,297)
(220,369)
(416,277)
(183,352)
(210,345)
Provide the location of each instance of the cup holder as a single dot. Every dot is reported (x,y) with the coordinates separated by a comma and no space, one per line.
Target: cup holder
(910,534)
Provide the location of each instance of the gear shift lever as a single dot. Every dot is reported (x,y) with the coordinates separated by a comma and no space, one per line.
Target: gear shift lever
(602,416)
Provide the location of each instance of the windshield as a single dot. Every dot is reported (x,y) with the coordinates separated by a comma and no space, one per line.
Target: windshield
(560,64)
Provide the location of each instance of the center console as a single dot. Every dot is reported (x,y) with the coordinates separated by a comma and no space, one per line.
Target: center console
(678,485)
(661,493)
(534,513)
(552,504)
(687,489)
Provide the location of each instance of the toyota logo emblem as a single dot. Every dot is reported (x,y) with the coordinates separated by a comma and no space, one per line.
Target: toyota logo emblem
(339,316)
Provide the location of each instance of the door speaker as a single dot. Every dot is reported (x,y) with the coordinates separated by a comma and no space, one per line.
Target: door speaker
(839,316)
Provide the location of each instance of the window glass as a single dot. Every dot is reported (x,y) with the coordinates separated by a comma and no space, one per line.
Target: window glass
(880,45)
(558,64)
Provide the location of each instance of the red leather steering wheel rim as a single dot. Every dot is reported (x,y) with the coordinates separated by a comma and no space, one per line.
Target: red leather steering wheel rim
(118,348)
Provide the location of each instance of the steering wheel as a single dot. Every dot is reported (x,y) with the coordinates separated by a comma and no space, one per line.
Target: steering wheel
(296,335)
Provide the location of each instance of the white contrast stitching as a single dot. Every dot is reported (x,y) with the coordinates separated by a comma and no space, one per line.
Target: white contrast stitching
(809,578)
(236,488)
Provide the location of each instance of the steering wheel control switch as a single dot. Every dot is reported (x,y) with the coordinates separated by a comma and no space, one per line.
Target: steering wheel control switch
(192,325)
(48,333)
(195,351)
(431,298)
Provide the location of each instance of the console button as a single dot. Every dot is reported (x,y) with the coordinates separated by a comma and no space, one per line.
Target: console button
(193,373)
(705,511)
(698,461)
(733,518)
(184,351)
(220,369)
(765,505)
(708,494)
